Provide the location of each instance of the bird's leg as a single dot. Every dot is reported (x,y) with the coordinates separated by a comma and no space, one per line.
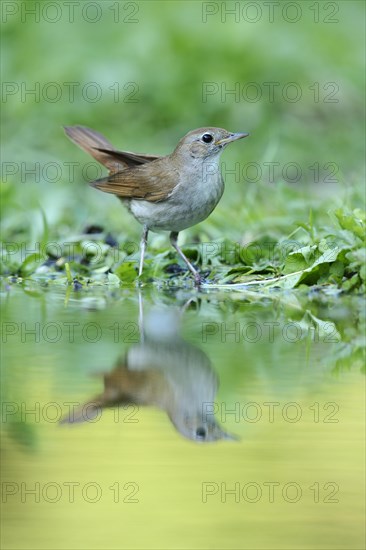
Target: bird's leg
(141,317)
(143,242)
(196,275)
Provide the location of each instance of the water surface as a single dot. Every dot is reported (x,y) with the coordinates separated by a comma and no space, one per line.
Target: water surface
(279,372)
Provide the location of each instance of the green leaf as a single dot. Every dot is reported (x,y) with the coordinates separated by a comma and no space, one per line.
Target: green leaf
(126,272)
(352,222)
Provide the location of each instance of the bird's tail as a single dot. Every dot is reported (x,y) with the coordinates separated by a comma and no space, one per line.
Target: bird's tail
(96,145)
(87,412)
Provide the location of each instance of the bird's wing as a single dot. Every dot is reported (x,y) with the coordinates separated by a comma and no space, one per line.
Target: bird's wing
(103,151)
(153,182)
(131,159)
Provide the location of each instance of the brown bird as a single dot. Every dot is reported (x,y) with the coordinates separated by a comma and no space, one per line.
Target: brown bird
(164,371)
(168,193)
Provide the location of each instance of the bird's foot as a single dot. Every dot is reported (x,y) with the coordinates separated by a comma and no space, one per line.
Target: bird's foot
(197,279)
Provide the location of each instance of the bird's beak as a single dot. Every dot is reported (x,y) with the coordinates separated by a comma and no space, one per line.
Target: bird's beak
(232,137)
(230,437)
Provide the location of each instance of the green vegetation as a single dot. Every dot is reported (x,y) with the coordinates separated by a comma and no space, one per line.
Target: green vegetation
(294,195)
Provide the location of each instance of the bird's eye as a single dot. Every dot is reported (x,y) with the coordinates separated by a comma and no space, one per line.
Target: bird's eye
(207,138)
(200,433)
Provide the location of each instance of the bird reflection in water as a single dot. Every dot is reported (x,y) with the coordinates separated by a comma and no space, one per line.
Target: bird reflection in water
(164,371)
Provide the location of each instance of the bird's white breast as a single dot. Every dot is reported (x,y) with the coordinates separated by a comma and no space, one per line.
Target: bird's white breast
(192,201)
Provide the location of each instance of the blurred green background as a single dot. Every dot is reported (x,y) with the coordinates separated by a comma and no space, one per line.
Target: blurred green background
(145,73)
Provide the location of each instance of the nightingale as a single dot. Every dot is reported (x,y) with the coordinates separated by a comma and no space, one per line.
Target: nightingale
(163,193)
(163,371)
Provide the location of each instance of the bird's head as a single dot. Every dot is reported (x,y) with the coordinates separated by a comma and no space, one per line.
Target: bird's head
(207,142)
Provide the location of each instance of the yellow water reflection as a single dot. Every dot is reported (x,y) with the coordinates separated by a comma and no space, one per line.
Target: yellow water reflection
(294,479)
(142,486)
